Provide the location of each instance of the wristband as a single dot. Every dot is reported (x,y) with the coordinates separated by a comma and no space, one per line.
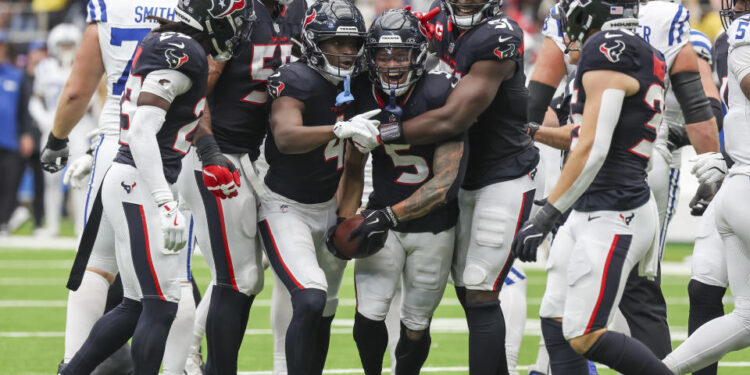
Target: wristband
(55,144)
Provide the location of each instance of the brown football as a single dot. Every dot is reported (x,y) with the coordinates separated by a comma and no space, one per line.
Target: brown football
(349,249)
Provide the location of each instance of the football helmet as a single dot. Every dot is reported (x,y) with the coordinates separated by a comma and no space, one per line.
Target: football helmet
(62,43)
(476,12)
(328,19)
(728,13)
(581,16)
(225,22)
(395,36)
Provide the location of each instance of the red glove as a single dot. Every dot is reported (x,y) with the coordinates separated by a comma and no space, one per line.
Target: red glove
(427,28)
(219,173)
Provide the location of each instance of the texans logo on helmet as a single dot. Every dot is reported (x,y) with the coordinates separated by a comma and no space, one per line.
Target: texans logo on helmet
(234,6)
(309,19)
(173,60)
(613,52)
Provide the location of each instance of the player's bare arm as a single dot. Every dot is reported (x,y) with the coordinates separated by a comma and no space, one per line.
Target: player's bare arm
(703,132)
(446,166)
(558,138)
(289,133)
(471,96)
(349,194)
(600,86)
(88,69)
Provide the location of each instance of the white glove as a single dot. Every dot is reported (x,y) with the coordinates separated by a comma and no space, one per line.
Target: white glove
(368,142)
(77,174)
(709,167)
(174,228)
(357,125)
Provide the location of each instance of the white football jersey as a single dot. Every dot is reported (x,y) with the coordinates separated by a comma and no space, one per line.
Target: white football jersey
(736,122)
(121,26)
(49,80)
(552,28)
(665,26)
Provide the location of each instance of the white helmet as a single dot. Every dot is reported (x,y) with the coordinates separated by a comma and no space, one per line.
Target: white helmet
(60,35)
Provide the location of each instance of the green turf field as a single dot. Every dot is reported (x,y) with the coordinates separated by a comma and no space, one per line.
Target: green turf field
(32,318)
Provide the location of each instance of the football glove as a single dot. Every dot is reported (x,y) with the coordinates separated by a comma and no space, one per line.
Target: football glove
(374,230)
(220,175)
(174,228)
(77,174)
(709,167)
(531,129)
(533,232)
(360,125)
(55,154)
(703,196)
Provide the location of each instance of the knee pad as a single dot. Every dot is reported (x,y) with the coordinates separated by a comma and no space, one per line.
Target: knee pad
(158,311)
(310,302)
(704,294)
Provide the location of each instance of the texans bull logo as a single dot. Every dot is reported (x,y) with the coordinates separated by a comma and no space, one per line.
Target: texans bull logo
(173,60)
(275,89)
(309,19)
(508,51)
(223,10)
(613,53)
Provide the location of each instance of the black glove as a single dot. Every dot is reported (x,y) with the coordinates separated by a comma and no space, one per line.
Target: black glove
(55,154)
(531,129)
(703,196)
(374,230)
(533,232)
(329,239)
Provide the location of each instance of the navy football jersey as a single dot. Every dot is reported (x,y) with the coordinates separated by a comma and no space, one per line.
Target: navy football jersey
(400,170)
(621,183)
(160,51)
(721,52)
(311,177)
(499,148)
(239,116)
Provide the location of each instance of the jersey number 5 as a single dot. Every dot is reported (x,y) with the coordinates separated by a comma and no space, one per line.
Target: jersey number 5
(258,70)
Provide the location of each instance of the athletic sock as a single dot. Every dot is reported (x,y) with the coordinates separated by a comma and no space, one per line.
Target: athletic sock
(562,358)
(196,291)
(705,305)
(371,337)
(410,354)
(108,334)
(150,336)
(199,324)
(307,306)
(85,307)
(225,328)
(114,294)
(180,334)
(626,355)
(322,340)
(281,315)
(711,342)
(486,338)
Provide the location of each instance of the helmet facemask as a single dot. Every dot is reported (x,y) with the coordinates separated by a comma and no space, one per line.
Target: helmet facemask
(335,64)
(468,15)
(227,33)
(395,69)
(729,12)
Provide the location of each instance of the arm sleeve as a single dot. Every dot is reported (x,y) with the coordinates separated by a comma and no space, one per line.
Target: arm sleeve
(145,149)
(609,114)
(167,84)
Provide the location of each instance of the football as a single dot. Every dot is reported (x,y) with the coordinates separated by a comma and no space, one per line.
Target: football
(349,249)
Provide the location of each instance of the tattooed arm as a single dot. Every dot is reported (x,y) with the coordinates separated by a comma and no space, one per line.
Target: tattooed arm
(447,165)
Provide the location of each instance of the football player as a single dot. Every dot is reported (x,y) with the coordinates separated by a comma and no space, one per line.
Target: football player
(643,304)
(415,189)
(499,186)
(226,230)
(305,154)
(730,332)
(161,103)
(617,105)
(107,46)
(51,74)
(708,269)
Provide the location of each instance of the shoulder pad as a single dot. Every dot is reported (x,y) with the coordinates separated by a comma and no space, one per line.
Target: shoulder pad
(499,38)
(437,86)
(612,50)
(172,51)
(552,27)
(294,80)
(701,45)
(739,32)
